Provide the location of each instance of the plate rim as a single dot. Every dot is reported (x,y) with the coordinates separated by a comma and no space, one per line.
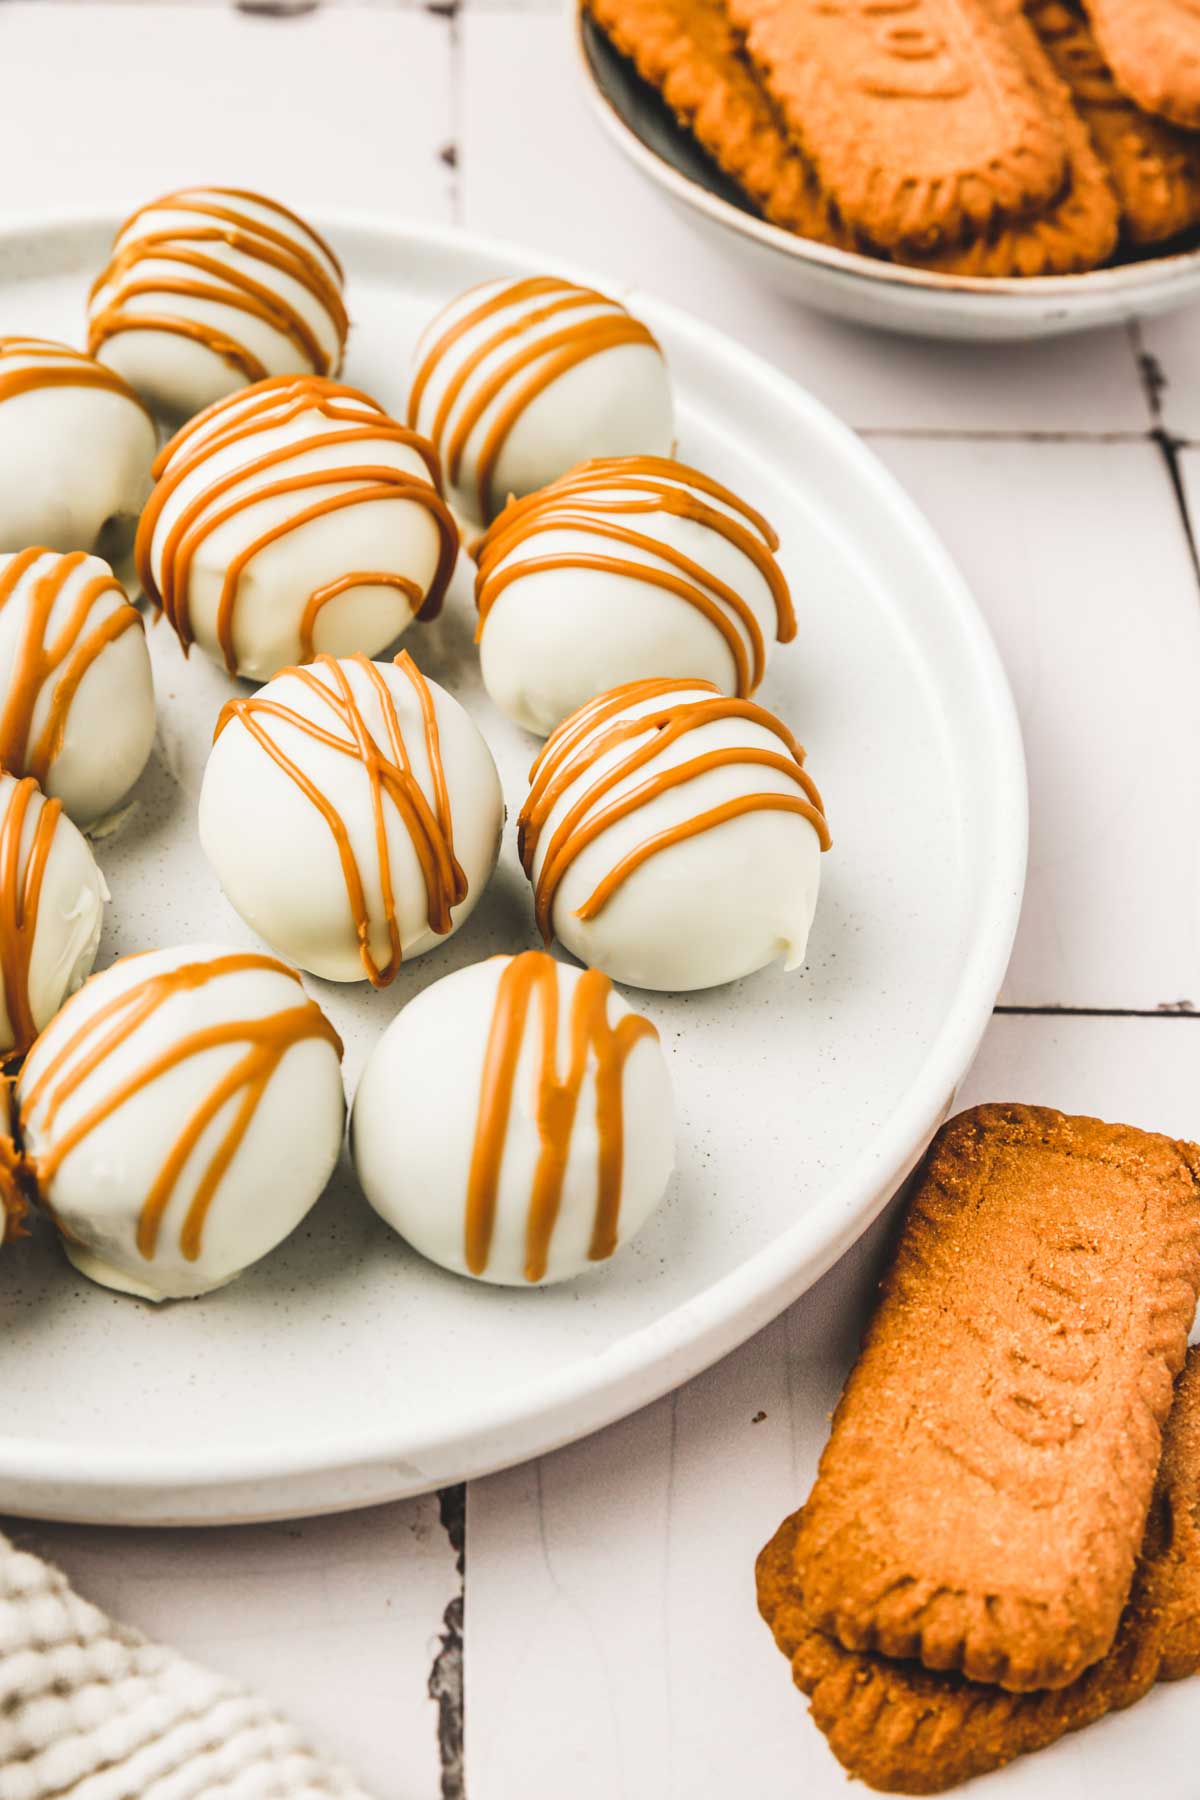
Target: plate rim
(538,1416)
(1132,281)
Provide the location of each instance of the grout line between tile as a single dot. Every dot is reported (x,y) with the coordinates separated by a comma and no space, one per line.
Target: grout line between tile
(985,435)
(1168,1009)
(450,153)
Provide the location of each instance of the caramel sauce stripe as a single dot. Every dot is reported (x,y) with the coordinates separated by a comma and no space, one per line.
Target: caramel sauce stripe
(633,472)
(293,394)
(389,772)
(232,288)
(110,1028)
(376,483)
(228,349)
(70,653)
(172,245)
(60,367)
(516,293)
(598,505)
(245,235)
(306,230)
(21,879)
(541,360)
(528,979)
(598,729)
(568,350)
(201,516)
(524,321)
(745,679)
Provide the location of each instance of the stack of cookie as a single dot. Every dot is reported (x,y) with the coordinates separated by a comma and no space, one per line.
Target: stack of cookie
(1003,1542)
(966,137)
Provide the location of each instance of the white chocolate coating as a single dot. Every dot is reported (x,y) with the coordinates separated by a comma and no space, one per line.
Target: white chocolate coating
(232,288)
(264,556)
(696,912)
(65,620)
(49,925)
(516,381)
(74,455)
(279,857)
(98,1187)
(416,1117)
(622,570)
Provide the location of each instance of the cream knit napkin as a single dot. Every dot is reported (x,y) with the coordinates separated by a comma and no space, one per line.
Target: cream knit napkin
(90,1711)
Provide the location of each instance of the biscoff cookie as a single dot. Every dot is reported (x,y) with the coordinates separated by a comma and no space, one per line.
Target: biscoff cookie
(908,1730)
(1079,230)
(688,50)
(922,122)
(982,1497)
(1154,168)
(1153,49)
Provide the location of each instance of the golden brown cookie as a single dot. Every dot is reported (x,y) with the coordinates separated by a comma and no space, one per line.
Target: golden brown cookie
(982,1497)
(1153,49)
(688,50)
(1079,230)
(906,1730)
(922,123)
(1155,169)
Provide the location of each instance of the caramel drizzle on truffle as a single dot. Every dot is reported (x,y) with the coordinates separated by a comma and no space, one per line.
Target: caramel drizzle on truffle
(267,1041)
(596,499)
(40,657)
(239,419)
(556,1099)
(605,724)
(21,878)
(553,354)
(389,772)
(13,1206)
(209,278)
(59,366)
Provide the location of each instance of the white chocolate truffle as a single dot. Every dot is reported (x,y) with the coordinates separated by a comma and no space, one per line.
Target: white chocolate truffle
(180,1117)
(516,381)
(514,1123)
(210,288)
(76,692)
(620,571)
(52,897)
(673,837)
(293,519)
(76,445)
(352,813)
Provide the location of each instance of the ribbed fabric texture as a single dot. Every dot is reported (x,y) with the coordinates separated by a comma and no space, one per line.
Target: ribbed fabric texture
(89,1710)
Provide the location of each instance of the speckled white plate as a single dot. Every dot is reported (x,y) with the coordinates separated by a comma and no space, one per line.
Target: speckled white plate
(343,1370)
(864,288)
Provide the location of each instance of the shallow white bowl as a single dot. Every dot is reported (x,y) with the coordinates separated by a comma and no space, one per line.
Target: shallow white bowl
(344,1370)
(849,286)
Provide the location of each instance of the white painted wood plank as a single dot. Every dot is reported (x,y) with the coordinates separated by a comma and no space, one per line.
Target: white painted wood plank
(345,107)
(612,1644)
(535,167)
(336,1620)
(1077,554)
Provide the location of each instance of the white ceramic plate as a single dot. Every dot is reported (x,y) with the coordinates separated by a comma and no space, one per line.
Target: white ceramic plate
(343,1370)
(839,281)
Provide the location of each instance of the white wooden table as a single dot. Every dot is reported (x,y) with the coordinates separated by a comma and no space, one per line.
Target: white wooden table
(608,1645)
